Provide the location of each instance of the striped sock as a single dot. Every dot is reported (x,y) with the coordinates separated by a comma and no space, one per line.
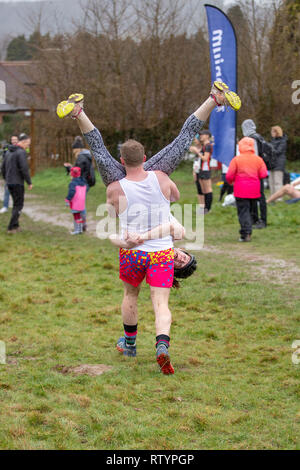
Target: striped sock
(162,339)
(130,332)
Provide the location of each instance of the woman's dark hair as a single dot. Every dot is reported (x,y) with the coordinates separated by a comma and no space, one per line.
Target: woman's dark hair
(186,271)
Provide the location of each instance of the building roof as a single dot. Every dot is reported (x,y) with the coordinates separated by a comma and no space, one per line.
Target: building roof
(21,88)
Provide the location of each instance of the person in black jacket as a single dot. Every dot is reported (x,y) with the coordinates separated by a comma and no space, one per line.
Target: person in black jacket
(15,171)
(13,140)
(279,144)
(263,149)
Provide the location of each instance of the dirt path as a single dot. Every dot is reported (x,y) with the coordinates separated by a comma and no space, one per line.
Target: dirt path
(265,267)
(53,215)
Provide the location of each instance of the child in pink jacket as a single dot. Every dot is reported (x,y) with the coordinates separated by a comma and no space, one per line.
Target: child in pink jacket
(245,171)
(76,199)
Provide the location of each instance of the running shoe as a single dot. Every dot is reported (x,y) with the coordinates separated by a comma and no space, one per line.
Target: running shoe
(126,349)
(163,360)
(231,100)
(245,239)
(64,108)
(76,98)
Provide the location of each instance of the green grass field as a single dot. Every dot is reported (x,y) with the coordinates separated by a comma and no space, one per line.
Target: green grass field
(234,322)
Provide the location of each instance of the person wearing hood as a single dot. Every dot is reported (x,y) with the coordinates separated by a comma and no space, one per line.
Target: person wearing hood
(76,198)
(279,144)
(84,162)
(15,171)
(246,172)
(262,149)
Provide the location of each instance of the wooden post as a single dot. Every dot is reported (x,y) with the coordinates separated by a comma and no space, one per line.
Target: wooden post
(32,145)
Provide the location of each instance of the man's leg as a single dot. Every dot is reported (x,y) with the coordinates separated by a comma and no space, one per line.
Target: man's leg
(17,194)
(127,343)
(163,320)
(262,206)
(6,197)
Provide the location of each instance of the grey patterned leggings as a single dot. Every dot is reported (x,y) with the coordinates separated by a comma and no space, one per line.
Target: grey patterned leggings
(166,160)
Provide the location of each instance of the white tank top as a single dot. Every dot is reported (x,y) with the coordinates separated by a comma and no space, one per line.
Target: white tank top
(147,208)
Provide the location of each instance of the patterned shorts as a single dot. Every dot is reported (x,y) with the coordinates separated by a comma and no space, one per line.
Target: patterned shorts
(156,266)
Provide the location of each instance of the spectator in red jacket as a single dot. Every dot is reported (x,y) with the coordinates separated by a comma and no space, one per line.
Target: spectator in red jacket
(245,171)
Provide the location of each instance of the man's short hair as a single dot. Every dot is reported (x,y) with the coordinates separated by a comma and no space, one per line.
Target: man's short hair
(23,137)
(132,153)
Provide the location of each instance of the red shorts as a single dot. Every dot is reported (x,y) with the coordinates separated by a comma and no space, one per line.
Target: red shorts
(156,266)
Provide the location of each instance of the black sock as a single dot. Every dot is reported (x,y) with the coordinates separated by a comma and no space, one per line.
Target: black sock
(163,339)
(130,332)
(208,200)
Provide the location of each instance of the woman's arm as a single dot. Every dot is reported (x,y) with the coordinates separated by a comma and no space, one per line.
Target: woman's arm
(195,150)
(131,240)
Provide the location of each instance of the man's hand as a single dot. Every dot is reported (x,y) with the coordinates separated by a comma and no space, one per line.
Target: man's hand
(30,187)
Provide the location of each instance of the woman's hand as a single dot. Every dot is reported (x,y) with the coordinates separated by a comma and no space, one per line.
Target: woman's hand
(133,239)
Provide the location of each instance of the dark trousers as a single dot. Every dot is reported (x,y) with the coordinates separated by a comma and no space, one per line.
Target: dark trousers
(17,194)
(244,214)
(226,188)
(262,206)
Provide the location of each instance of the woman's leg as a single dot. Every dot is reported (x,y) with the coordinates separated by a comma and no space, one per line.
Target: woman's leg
(169,157)
(288,190)
(110,169)
(166,160)
(207,191)
(199,191)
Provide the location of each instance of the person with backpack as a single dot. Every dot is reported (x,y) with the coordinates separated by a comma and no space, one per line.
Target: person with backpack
(84,162)
(266,152)
(76,199)
(15,171)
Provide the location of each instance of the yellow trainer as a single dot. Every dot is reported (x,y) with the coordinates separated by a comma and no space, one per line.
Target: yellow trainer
(76,98)
(224,97)
(64,108)
(233,100)
(221,86)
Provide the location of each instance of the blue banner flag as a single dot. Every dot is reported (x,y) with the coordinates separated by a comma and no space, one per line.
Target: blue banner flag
(223,60)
